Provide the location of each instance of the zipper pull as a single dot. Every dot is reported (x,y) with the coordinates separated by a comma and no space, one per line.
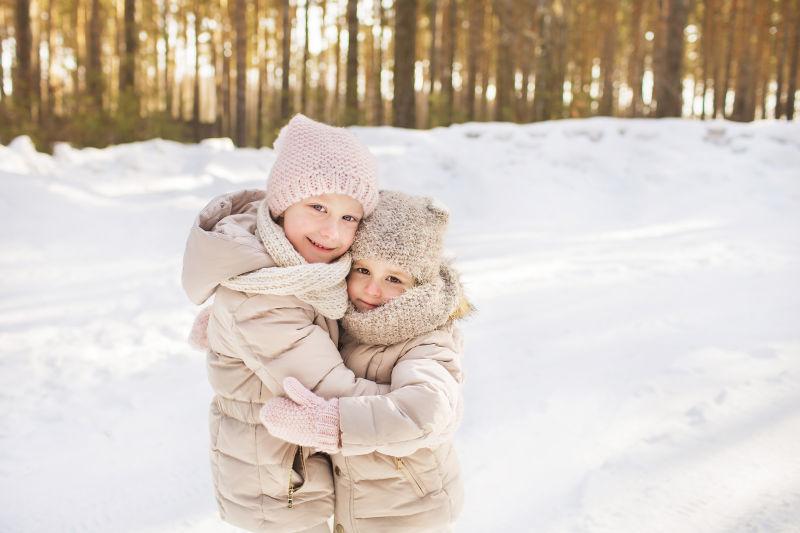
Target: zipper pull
(398,462)
(291,490)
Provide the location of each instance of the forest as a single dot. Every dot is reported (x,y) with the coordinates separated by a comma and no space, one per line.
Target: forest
(100,72)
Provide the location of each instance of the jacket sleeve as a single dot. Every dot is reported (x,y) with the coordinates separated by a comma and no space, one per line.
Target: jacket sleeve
(276,338)
(422,409)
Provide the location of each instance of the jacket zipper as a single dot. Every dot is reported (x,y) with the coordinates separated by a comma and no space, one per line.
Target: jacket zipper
(290,493)
(409,474)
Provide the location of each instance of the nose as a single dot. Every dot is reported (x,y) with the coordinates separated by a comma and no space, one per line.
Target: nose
(330,230)
(373,289)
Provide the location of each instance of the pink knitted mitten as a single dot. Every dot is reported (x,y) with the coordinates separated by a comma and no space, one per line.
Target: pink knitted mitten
(198,337)
(303,418)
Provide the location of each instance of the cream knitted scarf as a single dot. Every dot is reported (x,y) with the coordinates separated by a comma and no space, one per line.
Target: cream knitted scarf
(321,285)
(419,310)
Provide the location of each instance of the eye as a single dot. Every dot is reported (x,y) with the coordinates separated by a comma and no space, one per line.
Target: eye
(318,207)
(362,270)
(393,279)
(350,218)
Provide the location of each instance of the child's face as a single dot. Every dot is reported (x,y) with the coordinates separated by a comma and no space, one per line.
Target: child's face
(373,282)
(322,228)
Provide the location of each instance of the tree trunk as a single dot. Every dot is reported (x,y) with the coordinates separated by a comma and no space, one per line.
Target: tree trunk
(286,45)
(323,59)
(731,29)
(2,69)
(403,105)
(607,60)
(635,67)
(670,101)
(127,74)
(304,80)
(780,64)
(504,110)
(770,51)
(185,87)
(218,43)
(450,38)
(165,38)
(793,64)
(744,72)
(262,82)
(474,45)
(241,72)
(46,111)
(94,67)
(706,50)
(547,97)
(351,80)
(75,42)
(196,87)
(337,92)
(529,44)
(486,62)
(756,85)
(659,50)
(36,75)
(378,102)
(715,53)
(561,62)
(227,121)
(433,51)
(22,79)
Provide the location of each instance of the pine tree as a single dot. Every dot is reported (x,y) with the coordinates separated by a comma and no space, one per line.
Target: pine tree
(403,104)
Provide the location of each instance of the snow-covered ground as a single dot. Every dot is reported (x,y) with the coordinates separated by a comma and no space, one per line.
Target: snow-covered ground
(634,365)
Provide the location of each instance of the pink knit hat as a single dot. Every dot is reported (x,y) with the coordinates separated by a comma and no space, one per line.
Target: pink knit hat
(314,159)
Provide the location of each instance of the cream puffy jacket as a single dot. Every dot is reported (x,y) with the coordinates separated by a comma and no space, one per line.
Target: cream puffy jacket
(255,341)
(398,470)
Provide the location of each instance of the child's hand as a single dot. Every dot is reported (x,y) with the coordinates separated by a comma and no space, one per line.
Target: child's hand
(303,418)
(198,337)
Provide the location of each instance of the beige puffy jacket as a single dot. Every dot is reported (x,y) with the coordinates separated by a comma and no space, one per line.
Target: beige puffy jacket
(398,470)
(255,341)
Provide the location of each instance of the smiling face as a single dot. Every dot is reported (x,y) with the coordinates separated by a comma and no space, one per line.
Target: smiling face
(322,228)
(373,282)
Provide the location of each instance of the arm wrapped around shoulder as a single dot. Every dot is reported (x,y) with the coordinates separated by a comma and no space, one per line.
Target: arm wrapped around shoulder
(423,408)
(277,337)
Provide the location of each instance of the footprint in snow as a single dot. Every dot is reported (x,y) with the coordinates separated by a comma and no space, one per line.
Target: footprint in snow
(696,416)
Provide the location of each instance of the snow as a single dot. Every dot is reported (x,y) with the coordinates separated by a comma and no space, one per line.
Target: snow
(634,364)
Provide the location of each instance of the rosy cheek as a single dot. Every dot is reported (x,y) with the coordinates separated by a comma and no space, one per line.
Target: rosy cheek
(347,239)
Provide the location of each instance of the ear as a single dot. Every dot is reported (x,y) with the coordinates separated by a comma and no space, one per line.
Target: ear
(440,212)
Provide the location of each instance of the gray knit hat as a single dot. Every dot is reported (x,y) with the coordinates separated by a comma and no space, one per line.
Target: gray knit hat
(404,230)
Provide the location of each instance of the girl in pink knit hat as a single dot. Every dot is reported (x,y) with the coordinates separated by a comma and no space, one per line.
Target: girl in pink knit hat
(395,468)
(276,264)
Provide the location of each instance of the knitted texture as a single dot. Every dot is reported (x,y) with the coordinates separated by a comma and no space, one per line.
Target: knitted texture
(303,418)
(321,285)
(315,159)
(417,311)
(198,337)
(406,231)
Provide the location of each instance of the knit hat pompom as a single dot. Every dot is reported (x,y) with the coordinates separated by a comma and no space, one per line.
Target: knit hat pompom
(404,230)
(314,159)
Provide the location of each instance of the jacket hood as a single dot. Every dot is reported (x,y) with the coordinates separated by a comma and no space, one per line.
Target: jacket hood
(223,243)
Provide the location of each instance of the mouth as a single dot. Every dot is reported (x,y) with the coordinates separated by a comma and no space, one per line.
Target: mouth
(368,306)
(318,246)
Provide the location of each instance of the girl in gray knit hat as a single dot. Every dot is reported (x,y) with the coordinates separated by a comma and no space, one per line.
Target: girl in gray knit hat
(395,469)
